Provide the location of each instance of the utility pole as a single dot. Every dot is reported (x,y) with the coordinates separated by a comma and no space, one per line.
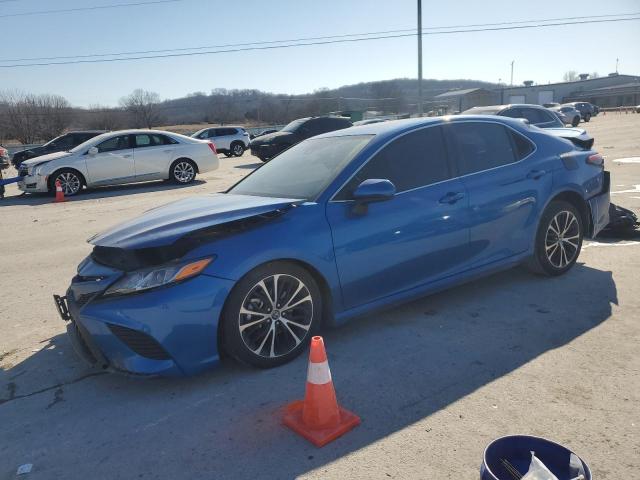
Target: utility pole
(512,61)
(420,111)
(617,60)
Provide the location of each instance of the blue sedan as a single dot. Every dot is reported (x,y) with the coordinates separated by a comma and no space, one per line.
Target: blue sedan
(337,226)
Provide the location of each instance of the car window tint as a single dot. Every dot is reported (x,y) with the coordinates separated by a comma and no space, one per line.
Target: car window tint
(65,142)
(523,145)
(414,160)
(162,140)
(115,143)
(144,141)
(481,146)
(512,113)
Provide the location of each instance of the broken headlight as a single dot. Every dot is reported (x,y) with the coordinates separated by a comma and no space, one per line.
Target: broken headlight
(148,278)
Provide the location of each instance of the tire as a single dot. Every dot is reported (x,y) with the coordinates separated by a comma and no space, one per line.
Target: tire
(576,121)
(237,149)
(587,117)
(182,171)
(555,254)
(71,181)
(268,339)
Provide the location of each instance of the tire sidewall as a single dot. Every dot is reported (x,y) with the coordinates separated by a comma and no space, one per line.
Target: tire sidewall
(540,251)
(231,340)
(52,181)
(172,173)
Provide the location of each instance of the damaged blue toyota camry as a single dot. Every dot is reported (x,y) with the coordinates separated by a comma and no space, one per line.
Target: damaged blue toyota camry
(335,227)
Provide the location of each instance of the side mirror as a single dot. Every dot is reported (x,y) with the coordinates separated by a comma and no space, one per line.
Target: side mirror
(374,190)
(93,151)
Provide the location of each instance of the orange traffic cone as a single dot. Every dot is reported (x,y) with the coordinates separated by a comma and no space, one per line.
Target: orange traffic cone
(59,193)
(318,417)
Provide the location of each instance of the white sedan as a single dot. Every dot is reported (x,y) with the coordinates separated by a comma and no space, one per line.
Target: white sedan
(115,158)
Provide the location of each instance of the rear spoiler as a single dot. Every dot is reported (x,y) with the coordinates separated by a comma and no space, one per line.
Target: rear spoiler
(579,137)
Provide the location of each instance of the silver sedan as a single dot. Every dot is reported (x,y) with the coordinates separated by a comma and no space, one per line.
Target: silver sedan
(115,158)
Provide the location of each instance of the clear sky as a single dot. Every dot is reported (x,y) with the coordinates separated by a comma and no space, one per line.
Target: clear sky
(542,55)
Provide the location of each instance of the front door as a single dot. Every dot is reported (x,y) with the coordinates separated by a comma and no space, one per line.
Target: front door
(506,184)
(418,236)
(113,163)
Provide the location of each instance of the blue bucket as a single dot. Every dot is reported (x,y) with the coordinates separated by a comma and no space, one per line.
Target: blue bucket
(517,450)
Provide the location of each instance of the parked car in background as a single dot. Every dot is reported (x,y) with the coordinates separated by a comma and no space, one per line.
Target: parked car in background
(114,158)
(264,132)
(369,121)
(335,227)
(268,146)
(536,115)
(568,114)
(550,105)
(585,108)
(596,110)
(59,144)
(232,141)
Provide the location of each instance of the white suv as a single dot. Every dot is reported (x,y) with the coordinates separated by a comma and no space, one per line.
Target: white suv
(232,141)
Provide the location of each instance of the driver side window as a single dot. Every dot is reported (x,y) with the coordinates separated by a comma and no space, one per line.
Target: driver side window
(113,144)
(414,160)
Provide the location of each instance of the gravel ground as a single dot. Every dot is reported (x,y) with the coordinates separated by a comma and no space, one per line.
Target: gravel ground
(433,380)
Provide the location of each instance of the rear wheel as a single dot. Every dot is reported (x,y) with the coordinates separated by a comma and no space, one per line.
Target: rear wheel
(237,149)
(183,171)
(558,240)
(270,315)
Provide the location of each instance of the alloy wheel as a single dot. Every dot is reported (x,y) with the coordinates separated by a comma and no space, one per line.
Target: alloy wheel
(562,239)
(184,172)
(238,150)
(69,182)
(276,315)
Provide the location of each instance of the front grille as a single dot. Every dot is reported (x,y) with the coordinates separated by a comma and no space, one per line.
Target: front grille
(139,342)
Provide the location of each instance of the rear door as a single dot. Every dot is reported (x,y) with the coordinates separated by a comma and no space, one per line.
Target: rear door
(113,163)
(418,236)
(223,138)
(153,154)
(507,186)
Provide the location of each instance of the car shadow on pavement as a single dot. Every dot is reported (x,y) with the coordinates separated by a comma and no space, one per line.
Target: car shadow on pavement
(393,368)
(250,166)
(33,199)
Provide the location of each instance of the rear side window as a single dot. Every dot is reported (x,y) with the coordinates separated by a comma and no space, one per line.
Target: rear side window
(534,115)
(523,145)
(512,113)
(481,146)
(162,140)
(414,160)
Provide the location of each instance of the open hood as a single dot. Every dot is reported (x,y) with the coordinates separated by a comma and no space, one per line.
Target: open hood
(164,225)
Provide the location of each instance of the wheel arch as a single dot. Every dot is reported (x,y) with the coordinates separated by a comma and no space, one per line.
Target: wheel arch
(179,159)
(323,285)
(52,175)
(575,199)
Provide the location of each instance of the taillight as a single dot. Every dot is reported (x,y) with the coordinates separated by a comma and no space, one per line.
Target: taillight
(213,148)
(596,159)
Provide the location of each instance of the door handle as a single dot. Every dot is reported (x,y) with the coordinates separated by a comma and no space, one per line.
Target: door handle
(452,197)
(536,174)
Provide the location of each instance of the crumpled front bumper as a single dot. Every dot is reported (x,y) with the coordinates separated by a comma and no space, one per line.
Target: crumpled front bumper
(33,183)
(169,331)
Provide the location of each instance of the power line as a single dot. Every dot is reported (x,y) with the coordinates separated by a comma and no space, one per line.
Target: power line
(327,42)
(305,39)
(82,9)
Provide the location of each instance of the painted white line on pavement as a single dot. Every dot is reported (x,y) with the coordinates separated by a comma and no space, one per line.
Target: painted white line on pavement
(628,160)
(635,189)
(601,244)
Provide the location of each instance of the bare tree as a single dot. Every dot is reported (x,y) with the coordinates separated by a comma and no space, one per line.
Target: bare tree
(143,107)
(29,117)
(594,75)
(105,118)
(570,76)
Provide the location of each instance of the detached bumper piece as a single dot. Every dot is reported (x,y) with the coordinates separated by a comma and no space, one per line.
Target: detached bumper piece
(62,307)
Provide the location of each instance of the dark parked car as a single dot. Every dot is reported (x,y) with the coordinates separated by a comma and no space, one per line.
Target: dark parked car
(58,144)
(535,114)
(268,146)
(585,108)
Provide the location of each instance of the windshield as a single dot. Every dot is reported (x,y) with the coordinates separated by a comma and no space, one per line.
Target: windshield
(54,140)
(199,132)
(304,170)
(88,143)
(293,126)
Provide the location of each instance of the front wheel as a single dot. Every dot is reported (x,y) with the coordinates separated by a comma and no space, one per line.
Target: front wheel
(587,117)
(183,171)
(270,315)
(558,240)
(576,121)
(70,181)
(237,149)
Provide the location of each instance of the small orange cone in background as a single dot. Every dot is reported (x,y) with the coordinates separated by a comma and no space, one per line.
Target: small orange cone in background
(318,417)
(59,193)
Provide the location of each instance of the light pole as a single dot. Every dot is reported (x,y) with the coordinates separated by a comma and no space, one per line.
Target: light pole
(512,61)
(420,111)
